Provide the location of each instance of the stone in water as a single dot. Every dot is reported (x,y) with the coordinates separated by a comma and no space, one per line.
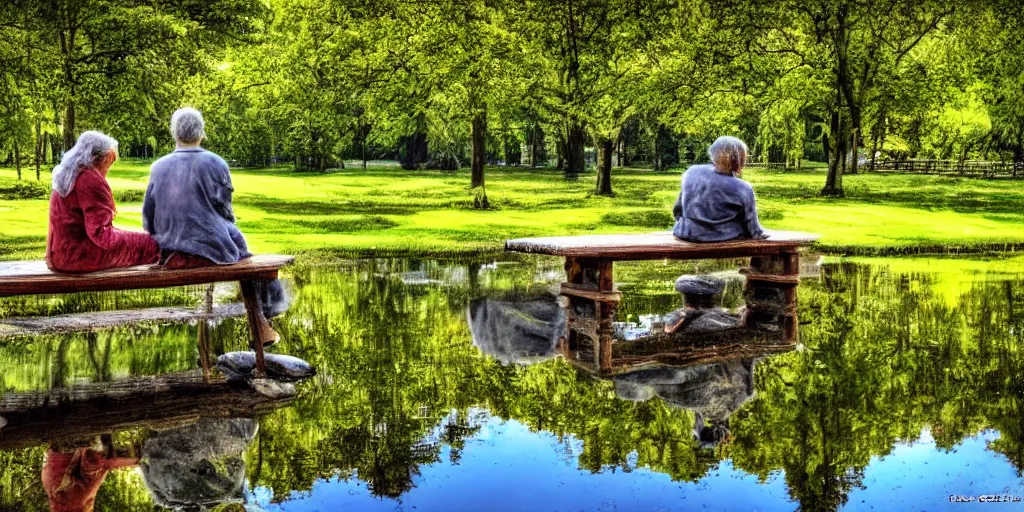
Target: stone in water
(240,365)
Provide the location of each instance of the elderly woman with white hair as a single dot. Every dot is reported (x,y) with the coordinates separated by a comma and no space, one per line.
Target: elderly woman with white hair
(82,237)
(188,211)
(715,205)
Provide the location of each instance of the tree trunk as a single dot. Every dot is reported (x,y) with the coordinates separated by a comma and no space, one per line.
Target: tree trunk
(1018,159)
(39,144)
(560,158)
(479,128)
(837,159)
(575,163)
(854,157)
(17,158)
(874,152)
(416,150)
(69,125)
(604,174)
(656,159)
(362,141)
(534,152)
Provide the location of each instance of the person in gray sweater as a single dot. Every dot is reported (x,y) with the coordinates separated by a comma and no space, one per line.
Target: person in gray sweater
(187,210)
(714,204)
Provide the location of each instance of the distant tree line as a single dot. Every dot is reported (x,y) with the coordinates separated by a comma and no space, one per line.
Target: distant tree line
(453,83)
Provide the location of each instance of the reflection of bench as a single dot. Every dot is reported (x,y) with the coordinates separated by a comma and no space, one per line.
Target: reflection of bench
(32,278)
(774,270)
(30,418)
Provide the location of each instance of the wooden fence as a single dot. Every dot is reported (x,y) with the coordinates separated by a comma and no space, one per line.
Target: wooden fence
(967,168)
(779,166)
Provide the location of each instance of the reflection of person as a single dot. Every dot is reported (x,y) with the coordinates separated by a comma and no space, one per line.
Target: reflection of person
(82,237)
(712,392)
(714,204)
(516,332)
(72,473)
(198,465)
(188,211)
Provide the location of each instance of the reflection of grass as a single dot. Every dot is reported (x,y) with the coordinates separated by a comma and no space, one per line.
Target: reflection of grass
(390,211)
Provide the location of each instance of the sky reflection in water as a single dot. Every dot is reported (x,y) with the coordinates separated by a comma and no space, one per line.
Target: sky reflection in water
(908,391)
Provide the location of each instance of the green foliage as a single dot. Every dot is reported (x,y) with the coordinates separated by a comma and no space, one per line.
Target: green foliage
(314,83)
(13,190)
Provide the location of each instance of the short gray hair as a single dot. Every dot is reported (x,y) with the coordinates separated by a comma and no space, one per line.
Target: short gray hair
(187,126)
(728,154)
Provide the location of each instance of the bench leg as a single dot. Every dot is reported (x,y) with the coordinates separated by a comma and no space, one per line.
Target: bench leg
(784,307)
(254,313)
(204,349)
(592,274)
(204,334)
(606,332)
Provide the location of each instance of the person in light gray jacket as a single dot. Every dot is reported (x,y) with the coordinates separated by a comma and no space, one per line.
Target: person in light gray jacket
(714,204)
(187,210)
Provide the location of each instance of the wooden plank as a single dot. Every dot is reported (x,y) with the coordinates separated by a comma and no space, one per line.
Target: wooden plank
(32,277)
(589,293)
(753,275)
(658,245)
(98,320)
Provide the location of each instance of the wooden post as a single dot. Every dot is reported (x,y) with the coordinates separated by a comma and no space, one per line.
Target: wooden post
(784,265)
(606,313)
(605,280)
(204,348)
(791,263)
(586,275)
(573,271)
(254,313)
(204,334)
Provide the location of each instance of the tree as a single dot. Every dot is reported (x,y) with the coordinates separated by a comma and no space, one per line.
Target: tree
(997,43)
(106,49)
(850,46)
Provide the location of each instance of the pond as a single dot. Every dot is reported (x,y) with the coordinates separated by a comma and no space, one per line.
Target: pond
(905,390)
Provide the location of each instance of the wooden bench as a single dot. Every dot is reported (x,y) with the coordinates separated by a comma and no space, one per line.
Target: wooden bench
(589,262)
(33,278)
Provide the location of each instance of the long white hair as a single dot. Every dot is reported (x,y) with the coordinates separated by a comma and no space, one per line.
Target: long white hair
(87,152)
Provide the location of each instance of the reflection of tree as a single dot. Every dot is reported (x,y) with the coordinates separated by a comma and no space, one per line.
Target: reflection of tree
(887,357)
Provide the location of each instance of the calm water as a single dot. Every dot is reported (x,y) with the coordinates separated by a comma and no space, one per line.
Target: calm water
(907,389)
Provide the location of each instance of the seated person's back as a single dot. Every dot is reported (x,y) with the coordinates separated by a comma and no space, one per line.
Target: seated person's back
(188,206)
(81,235)
(188,211)
(714,204)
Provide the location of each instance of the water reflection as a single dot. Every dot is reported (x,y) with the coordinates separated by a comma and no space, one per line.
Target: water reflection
(898,370)
(74,470)
(527,331)
(521,331)
(200,465)
(713,392)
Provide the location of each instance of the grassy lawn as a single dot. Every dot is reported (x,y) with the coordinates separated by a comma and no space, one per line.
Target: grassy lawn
(385,210)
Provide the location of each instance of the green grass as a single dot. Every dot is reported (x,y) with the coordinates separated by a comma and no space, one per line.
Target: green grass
(394,212)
